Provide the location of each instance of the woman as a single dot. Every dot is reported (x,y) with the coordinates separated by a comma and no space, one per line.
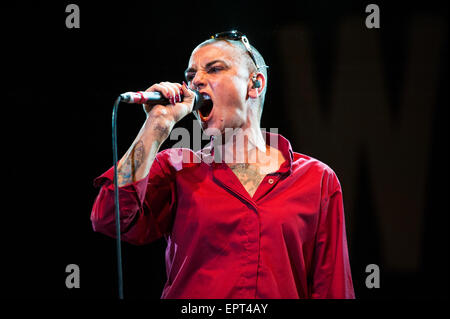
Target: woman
(257,221)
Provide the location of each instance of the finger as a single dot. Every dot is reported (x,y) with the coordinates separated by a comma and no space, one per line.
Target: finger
(189,95)
(180,92)
(171,92)
(159,88)
(176,91)
(186,91)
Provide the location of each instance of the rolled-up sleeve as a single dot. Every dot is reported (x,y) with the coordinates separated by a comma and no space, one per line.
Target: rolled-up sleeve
(145,205)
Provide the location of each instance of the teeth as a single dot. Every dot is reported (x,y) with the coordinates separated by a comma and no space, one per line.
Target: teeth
(206,96)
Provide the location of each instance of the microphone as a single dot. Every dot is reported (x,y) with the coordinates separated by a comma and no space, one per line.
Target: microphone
(154,98)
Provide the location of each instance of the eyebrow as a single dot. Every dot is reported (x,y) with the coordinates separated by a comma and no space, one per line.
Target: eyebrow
(188,70)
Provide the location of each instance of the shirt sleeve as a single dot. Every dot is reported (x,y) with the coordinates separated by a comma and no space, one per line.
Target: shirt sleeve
(145,206)
(331,278)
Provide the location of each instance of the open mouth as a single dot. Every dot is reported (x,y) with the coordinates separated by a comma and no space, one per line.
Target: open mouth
(206,107)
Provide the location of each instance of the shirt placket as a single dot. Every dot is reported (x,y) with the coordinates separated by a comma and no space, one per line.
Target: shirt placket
(252,224)
(251,230)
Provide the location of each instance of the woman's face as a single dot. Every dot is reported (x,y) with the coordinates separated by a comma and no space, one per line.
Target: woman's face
(219,71)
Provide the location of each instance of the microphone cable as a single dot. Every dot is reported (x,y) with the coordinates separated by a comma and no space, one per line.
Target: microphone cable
(116,198)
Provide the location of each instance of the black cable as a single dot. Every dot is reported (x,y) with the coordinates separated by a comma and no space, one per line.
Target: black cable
(116,198)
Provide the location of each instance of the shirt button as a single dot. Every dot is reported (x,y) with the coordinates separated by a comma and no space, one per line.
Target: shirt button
(270,181)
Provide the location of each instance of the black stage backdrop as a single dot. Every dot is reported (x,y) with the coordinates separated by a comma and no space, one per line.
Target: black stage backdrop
(371,103)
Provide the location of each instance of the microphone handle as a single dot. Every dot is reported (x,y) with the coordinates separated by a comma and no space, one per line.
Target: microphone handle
(150,98)
(154,98)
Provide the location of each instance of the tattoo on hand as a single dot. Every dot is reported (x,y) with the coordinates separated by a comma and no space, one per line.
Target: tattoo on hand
(127,170)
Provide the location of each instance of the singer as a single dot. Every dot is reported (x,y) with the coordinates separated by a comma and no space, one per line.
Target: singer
(255,220)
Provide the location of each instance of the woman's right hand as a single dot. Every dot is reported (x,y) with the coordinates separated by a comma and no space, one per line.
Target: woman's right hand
(164,117)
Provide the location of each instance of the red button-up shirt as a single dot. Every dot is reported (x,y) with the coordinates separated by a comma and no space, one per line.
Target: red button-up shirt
(287,241)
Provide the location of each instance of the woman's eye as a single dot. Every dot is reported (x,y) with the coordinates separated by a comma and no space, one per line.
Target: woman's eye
(214,69)
(189,77)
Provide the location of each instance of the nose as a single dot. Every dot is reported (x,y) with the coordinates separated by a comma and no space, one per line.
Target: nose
(199,80)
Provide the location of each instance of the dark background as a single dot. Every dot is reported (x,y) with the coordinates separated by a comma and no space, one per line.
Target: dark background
(56,134)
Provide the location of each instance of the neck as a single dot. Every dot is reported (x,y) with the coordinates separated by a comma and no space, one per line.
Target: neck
(241,145)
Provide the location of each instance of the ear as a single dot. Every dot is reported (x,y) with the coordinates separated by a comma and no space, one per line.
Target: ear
(255,89)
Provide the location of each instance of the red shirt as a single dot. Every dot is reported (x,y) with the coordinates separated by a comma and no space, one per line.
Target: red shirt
(287,241)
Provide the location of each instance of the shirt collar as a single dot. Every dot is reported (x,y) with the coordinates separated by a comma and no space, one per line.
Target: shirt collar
(284,146)
(275,140)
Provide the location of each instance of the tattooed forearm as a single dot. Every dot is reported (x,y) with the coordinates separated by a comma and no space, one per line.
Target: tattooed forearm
(128,168)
